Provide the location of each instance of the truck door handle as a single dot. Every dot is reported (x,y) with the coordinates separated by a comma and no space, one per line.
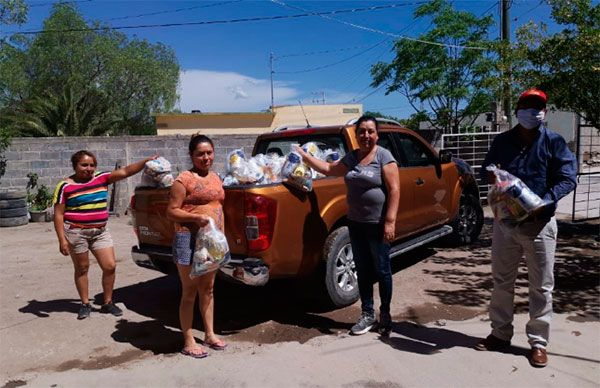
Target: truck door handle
(419,181)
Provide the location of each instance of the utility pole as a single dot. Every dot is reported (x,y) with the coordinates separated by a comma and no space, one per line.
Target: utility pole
(505,36)
(271,65)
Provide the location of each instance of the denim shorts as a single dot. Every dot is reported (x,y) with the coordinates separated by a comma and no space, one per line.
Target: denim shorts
(183,248)
(82,240)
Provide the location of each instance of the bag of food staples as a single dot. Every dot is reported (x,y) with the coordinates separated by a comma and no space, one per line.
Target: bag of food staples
(211,251)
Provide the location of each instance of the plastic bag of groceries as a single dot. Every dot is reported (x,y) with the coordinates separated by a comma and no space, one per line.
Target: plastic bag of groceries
(241,169)
(271,165)
(296,172)
(510,198)
(157,173)
(211,251)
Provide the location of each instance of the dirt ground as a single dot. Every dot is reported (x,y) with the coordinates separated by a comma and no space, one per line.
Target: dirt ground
(435,288)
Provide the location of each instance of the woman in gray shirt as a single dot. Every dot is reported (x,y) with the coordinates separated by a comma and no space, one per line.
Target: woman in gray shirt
(371,177)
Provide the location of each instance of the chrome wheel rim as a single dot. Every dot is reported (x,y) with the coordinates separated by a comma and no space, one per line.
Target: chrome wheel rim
(345,269)
(467,220)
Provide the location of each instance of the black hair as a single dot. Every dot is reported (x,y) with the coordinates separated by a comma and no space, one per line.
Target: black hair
(77,156)
(197,139)
(364,118)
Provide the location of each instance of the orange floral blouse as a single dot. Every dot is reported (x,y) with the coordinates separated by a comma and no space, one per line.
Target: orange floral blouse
(203,195)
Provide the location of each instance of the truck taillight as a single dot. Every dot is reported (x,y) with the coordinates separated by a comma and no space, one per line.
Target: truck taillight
(132,202)
(132,207)
(260,221)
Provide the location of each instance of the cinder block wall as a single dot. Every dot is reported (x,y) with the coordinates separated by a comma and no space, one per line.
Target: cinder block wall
(50,158)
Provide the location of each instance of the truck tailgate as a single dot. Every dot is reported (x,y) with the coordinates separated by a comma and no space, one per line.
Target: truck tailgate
(150,217)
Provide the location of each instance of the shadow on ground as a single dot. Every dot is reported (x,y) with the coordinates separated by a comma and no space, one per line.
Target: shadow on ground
(43,309)
(283,310)
(577,273)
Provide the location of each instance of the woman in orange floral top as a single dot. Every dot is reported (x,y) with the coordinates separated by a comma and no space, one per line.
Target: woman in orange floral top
(196,196)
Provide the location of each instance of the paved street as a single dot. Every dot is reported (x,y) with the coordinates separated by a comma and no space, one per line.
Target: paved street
(280,335)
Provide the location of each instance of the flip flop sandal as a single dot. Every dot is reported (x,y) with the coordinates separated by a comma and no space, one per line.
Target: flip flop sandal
(219,345)
(188,353)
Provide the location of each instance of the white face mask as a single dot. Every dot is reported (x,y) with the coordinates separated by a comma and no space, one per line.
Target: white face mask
(530,118)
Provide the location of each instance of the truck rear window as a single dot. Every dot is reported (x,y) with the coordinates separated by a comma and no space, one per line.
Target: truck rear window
(282,146)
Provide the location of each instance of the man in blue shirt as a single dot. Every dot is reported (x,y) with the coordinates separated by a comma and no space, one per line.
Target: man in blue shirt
(542,160)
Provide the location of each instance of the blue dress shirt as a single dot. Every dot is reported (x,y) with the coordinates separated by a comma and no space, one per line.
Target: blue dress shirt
(547,166)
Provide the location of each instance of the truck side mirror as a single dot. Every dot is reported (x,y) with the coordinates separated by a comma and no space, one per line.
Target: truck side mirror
(445,156)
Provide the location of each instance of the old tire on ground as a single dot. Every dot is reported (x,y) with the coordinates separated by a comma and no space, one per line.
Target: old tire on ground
(14,221)
(12,203)
(468,222)
(12,193)
(340,271)
(16,212)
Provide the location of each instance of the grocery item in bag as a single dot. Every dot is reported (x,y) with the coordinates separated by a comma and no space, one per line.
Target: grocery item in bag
(157,173)
(241,169)
(510,198)
(211,251)
(297,173)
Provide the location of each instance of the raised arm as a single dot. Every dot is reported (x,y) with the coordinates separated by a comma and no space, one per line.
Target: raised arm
(127,171)
(330,169)
(392,183)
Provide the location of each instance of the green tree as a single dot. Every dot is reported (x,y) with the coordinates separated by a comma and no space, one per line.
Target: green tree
(565,64)
(13,12)
(451,82)
(75,68)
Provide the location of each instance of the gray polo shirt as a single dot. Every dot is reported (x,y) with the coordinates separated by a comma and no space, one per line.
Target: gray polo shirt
(367,193)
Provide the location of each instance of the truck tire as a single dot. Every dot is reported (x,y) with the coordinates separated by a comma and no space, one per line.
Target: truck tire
(16,212)
(468,222)
(14,221)
(12,193)
(12,203)
(340,271)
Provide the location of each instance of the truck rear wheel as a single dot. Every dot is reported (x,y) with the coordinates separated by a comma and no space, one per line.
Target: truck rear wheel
(340,272)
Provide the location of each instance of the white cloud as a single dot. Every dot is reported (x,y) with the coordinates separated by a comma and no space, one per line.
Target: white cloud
(214,91)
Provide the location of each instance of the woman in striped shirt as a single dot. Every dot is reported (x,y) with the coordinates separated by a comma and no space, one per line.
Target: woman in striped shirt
(80,216)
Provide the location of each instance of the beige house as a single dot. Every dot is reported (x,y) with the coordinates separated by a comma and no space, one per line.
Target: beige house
(255,122)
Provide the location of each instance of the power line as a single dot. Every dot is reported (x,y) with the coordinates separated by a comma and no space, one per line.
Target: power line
(173,10)
(360,27)
(57,2)
(331,64)
(323,52)
(213,22)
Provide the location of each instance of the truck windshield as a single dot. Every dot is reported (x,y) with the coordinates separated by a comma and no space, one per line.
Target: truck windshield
(282,146)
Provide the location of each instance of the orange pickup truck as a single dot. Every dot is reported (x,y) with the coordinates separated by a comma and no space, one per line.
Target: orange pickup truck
(277,231)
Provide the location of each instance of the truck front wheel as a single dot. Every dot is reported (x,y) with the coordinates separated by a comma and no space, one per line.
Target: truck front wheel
(340,273)
(468,222)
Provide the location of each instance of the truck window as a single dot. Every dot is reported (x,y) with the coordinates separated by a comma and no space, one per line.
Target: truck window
(385,141)
(283,146)
(415,153)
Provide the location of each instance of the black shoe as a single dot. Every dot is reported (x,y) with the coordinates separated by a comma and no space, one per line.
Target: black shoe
(111,308)
(385,324)
(492,344)
(84,311)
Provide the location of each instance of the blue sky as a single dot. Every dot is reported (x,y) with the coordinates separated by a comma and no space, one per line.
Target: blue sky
(226,65)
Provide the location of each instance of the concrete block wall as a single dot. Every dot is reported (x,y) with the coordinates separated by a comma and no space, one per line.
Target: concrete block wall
(50,158)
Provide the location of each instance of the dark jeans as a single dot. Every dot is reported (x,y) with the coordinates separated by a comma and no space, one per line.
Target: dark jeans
(372,258)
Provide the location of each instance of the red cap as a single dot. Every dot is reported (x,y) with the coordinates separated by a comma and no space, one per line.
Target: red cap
(534,93)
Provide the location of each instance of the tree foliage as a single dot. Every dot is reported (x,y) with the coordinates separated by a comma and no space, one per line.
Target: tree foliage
(84,81)
(13,12)
(447,82)
(565,64)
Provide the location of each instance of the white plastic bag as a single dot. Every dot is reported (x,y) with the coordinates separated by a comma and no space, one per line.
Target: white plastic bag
(510,198)
(241,169)
(157,173)
(211,251)
(296,172)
